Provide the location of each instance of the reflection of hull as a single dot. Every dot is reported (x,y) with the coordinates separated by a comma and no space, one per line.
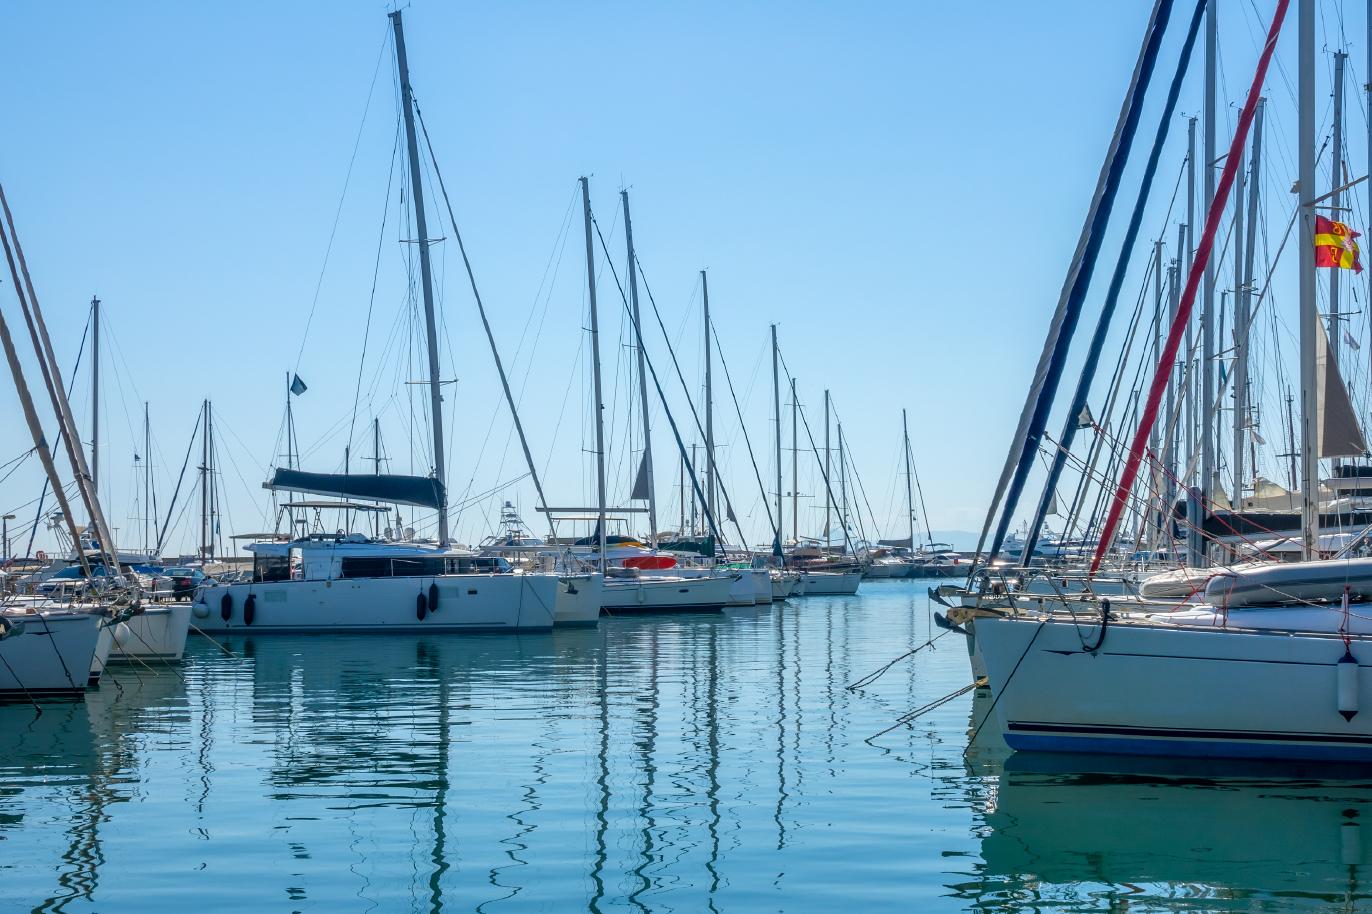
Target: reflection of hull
(664,595)
(578,599)
(1191,835)
(476,602)
(49,654)
(826,582)
(1154,689)
(156,633)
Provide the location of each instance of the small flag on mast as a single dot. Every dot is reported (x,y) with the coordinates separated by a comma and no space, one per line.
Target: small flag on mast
(1352,343)
(1335,245)
(298,386)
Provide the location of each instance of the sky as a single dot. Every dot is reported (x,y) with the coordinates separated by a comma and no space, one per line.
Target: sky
(897,186)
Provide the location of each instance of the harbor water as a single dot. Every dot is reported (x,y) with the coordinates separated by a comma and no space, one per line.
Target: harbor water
(691,763)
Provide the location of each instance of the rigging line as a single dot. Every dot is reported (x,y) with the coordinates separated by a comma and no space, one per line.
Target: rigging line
(171,506)
(680,443)
(376,270)
(828,489)
(857,477)
(671,351)
(719,347)
(338,213)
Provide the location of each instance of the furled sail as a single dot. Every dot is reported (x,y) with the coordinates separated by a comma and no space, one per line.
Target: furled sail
(1337,431)
(421,491)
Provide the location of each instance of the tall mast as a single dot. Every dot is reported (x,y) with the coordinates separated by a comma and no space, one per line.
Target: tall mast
(290,426)
(147,481)
(40,441)
(95,393)
(842,483)
(1240,328)
(595,374)
(1305,185)
(376,446)
(1194,509)
(909,491)
(827,535)
(1209,427)
(710,470)
(795,467)
(642,371)
(1335,201)
(204,480)
(776,414)
(1243,305)
(426,272)
(1154,433)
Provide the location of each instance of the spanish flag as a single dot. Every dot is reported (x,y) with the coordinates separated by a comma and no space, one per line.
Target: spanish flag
(1335,245)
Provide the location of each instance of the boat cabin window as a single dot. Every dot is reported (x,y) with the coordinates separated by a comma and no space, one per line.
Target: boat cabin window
(268,568)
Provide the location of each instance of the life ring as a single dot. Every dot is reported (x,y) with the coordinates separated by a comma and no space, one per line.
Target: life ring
(41,556)
(421,607)
(433,598)
(249,609)
(226,606)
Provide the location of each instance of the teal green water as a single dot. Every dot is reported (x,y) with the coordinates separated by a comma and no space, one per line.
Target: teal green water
(710,763)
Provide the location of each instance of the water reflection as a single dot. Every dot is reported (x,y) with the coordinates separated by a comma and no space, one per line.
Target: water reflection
(660,764)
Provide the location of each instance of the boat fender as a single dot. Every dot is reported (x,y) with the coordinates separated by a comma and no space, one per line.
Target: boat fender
(421,607)
(200,610)
(226,607)
(250,609)
(1348,685)
(7,628)
(433,597)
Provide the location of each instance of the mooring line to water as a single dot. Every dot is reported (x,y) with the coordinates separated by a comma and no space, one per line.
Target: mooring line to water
(912,716)
(201,632)
(878,673)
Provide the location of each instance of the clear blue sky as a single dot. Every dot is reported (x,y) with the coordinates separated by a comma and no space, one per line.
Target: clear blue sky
(898,185)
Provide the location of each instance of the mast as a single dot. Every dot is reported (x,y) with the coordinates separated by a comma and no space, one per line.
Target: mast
(1240,330)
(426,273)
(1194,510)
(147,481)
(1209,427)
(290,426)
(776,414)
(1243,307)
(595,374)
(909,491)
(795,468)
(642,372)
(1335,202)
(95,394)
(204,480)
(842,483)
(710,470)
(1305,185)
(1154,434)
(376,446)
(827,535)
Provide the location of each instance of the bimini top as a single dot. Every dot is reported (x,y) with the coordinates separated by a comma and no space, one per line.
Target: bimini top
(420,491)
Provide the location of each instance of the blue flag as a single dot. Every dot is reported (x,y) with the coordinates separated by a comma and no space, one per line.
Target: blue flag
(298,386)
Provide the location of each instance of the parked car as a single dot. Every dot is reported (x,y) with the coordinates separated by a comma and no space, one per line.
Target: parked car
(178,583)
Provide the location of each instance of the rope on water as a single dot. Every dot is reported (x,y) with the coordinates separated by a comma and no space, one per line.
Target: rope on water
(881,671)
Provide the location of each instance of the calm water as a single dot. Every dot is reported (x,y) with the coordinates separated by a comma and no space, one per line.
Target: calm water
(668,764)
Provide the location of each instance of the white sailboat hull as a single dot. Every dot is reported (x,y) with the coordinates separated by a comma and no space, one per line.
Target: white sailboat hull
(49,653)
(477,602)
(647,594)
(1158,689)
(157,633)
(578,599)
(825,582)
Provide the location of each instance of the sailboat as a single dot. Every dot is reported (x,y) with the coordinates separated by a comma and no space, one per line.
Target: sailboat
(1270,665)
(338,582)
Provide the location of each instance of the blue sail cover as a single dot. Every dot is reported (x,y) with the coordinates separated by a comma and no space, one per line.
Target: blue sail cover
(421,491)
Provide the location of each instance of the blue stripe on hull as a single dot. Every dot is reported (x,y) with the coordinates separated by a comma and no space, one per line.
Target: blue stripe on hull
(1188,747)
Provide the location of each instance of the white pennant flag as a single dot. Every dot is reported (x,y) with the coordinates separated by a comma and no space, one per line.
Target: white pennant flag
(1352,343)
(1257,439)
